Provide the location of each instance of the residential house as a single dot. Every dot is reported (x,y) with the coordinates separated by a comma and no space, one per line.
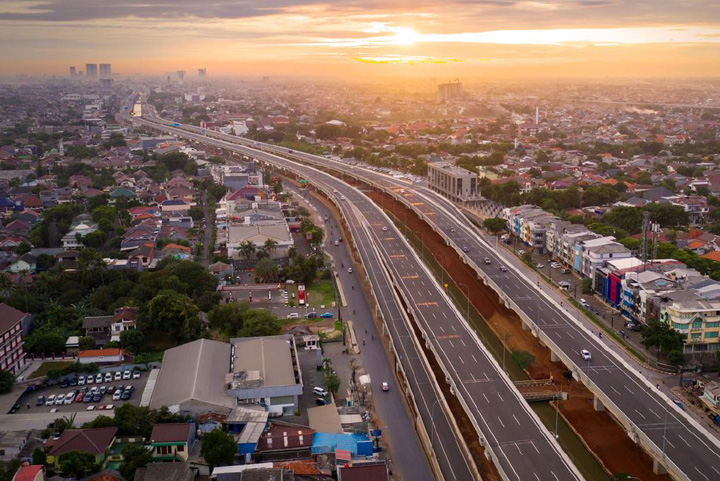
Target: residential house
(98,327)
(11,443)
(33,472)
(102,356)
(699,319)
(124,319)
(172,441)
(165,472)
(73,239)
(25,263)
(96,441)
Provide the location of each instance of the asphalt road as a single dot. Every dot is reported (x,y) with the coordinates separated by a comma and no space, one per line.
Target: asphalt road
(522,447)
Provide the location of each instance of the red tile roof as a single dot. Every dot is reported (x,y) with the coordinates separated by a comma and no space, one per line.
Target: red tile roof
(27,473)
(170,433)
(9,316)
(95,440)
(114,351)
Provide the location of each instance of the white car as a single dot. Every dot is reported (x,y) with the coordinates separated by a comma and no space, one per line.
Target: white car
(127,375)
(584,302)
(385,387)
(118,375)
(136,374)
(540,266)
(99,378)
(81,381)
(585,354)
(350,270)
(50,400)
(108,377)
(116,395)
(70,397)
(384,228)
(90,379)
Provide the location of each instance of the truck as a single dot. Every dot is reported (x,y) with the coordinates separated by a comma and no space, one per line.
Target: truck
(301,294)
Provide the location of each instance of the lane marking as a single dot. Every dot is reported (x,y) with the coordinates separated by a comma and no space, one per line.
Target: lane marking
(503,424)
(473,356)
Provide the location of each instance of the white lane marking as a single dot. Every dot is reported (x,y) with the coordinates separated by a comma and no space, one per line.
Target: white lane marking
(684,440)
(473,356)
(536,476)
(569,334)
(641,414)
(555,475)
(536,449)
(503,424)
(463,343)
(713,468)
(613,388)
(652,411)
(501,398)
(461,360)
(442,329)
(486,398)
(629,390)
(516,420)
(701,473)
(453,326)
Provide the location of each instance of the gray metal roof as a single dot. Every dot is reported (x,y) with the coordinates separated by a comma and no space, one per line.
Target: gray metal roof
(266,361)
(194,372)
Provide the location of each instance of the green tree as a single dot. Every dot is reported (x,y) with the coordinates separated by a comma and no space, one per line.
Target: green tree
(495,225)
(7,381)
(266,270)
(260,323)
(175,314)
(77,464)
(587,286)
(23,248)
(218,448)
(132,340)
(45,339)
(134,457)
(661,336)
(676,357)
(87,342)
(523,358)
(39,457)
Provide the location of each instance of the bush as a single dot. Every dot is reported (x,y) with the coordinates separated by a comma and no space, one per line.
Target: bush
(7,381)
(587,286)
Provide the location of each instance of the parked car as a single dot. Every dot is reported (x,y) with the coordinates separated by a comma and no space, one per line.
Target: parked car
(117,376)
(99,378)
(293,315)
(311,315)
(97,397)
(136,374)
(40,401)
(117,395)
(125,395)
(585,354)
(74,381)
(326,315)
(81,381)
(385,386)
(65,383)
(127,375)
(90,379)
(70,397)
(108,377)
(50,400)
(539,265)
(88,398)
(79,397)
(321,402)
(584,302)
(318,391)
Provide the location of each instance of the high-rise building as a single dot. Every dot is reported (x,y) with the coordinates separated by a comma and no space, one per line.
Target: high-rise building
(449,91)
(105,71)
(180,75)
(91,70)
(202,72)
(73,72)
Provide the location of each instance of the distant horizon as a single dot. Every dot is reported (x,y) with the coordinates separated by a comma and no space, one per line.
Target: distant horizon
(366,38)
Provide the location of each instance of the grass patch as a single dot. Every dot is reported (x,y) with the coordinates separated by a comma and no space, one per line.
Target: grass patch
(321,293)
(48,366)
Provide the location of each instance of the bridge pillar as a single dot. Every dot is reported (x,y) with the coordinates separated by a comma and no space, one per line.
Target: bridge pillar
(554,357)
(658,468)
(597,404)
(525,327)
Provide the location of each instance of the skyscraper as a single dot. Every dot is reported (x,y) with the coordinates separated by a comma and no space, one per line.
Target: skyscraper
(202,72)
(449,91)
(180,75)
(105,71)
(91,70)
(73,72)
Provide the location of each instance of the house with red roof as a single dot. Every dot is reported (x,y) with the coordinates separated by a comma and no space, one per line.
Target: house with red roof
(95,441)
(102,356)
(33,472)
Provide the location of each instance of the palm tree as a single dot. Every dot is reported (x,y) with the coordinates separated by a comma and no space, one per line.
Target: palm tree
(248,249)
(270,246)
(6,283)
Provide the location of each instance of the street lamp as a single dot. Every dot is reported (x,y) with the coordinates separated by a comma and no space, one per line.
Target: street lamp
(557,410)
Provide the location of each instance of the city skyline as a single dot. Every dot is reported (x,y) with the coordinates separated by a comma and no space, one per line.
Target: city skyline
(490,39)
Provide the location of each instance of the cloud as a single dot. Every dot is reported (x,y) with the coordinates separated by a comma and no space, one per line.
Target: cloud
(407,60)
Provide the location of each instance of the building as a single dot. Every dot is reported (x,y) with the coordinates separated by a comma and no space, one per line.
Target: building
(449,91)
(73,239)
(255,222)
(96,441)
(91,70)
(165,472)
(363,471)
(11,443)
(34,472)
(73,72)
(596,252)
(266,371)
(172,441)
(202,72)
(180,75)
(455,183)
(207,364)
(12,348)
(699,319)
(105,71)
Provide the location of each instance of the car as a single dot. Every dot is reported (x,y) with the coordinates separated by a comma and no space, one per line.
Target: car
(102,390)
(585,354)
(79,397)
(70,397)
(88,398)
(101,407)
(130,389)
(40,401)
(321,402)
(565,271)
(340,239)
(117,395)
(74,381)
(584,302)
(326,315)
(99,378)
(318,391)
(91,408)
(521,252)
(125,395)
(127,375)
(136,374)
(350,271)
(97,397)
(90,379)
(465,249)
(293,315)
(342,197)
(385,386)
(50,400)
(65,383)
(452,229)
(110,389)
(486,260)
(337,243)
(384,228)
(109,407)
(108,377)
(117,376)
(311,315)
(503,269)
(81,381)
(539,265)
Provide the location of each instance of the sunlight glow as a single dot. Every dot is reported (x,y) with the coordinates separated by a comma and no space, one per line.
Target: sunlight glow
(405,36)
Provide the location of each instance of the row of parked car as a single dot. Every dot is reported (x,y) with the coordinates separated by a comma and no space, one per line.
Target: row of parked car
(85,395)
(100,377)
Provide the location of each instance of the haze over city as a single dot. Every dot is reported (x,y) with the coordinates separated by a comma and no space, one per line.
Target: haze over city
(473,39)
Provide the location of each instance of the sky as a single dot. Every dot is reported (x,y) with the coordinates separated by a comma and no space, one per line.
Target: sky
(366,38)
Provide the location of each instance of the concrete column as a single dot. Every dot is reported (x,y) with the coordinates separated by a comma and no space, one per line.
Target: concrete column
(597,404)
(658,468)
(553,357)
(525,327)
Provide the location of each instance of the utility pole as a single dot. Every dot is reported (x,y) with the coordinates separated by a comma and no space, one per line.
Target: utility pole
(645,228)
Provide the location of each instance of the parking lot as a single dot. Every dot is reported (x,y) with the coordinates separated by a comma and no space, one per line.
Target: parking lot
(28,402)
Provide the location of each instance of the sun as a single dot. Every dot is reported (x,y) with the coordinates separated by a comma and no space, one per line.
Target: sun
(405,36)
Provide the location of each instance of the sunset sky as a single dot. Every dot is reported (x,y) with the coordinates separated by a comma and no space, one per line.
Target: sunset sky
(469,38)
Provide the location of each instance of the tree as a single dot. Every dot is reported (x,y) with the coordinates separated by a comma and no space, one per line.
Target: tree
(7,381)
(266,270)
(87,342)
(332,381)
(46,340)
(247,249)
(23,248)
(175,314)
(77,464)
(131,340)
(676,357)
(495,225)
(261,323)
(587,286)
(134,457)
(39,457)
(661,336)
(218,448)
(270,246)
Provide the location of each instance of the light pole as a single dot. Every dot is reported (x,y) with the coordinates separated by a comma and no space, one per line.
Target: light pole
(504,349)
(557,410)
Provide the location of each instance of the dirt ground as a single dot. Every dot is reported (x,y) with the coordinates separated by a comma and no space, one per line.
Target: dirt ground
(601,433)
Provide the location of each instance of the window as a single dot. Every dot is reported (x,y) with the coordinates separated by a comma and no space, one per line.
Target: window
(697,324)
(180,448)
(677,325)
(710,325)
(695,336)
(711,335)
